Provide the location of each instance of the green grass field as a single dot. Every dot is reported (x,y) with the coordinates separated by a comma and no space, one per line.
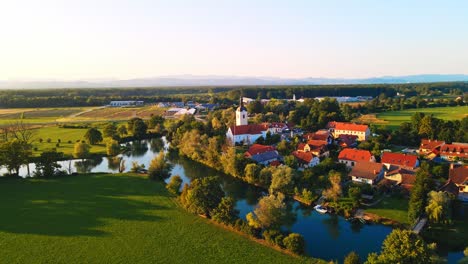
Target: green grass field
(392,208)
(64,134)
(38,115)
(105,218)
(393,119)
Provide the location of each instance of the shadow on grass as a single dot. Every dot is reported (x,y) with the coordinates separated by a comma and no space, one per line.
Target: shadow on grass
(76,206)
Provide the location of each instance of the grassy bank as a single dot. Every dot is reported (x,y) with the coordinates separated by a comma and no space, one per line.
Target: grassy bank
(113,219)
(392,208)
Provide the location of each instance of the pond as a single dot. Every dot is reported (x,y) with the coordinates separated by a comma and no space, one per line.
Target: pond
(329,237)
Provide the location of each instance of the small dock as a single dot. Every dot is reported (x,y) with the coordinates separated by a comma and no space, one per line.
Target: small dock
(420,225)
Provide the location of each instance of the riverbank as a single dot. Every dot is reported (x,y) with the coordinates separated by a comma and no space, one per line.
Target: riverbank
(113,218)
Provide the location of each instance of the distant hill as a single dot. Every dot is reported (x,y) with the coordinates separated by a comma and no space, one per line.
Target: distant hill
(193,80)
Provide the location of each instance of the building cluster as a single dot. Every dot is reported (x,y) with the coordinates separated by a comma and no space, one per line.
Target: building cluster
(393,170)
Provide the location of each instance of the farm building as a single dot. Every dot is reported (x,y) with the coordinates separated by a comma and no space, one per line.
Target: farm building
(126,103)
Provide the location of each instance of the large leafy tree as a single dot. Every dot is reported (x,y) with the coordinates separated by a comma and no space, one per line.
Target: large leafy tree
(281,179)
(47,165)
(14,154)
(137,127)
(271,212)
(226,212)
(438,208)
(159,167)
(421,188)
(335,189)
(81,150)
(402,246)
(93,136)
(110,131)
(202,196)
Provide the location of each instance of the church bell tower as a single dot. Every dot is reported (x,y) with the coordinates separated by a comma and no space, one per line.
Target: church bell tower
(241,114)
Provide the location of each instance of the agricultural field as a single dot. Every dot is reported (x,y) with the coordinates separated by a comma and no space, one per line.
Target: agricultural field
(113,218)
(38,115)
(114,113)
(392,119)
(67,137)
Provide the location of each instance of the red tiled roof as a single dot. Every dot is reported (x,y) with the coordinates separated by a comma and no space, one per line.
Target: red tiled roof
(275,163)
(459,175)
(319,135)
(251,129)
(400,159)
(355,155)
(256,149)
(305,157)
(317,143)
(366,169)
(347,126)
(458,150)
(301,146)
(430,144)
(276,125)
(407,181)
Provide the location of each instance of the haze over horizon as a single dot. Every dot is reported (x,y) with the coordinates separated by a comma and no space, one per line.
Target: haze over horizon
(119,40)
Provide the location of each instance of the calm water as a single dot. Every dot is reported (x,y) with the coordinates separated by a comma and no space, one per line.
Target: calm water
(329,237)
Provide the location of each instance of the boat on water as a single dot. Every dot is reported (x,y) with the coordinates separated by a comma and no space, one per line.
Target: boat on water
(320,209)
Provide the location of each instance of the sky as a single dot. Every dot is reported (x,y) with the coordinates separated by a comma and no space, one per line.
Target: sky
(117,39)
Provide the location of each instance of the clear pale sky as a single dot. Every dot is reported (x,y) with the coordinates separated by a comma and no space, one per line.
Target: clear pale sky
(67,39)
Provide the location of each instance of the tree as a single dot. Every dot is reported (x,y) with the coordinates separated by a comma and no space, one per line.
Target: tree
(402,246)
(80,150)
(202,196)
(355,194)
(335,190)
(122,130)
(174,184)
(281,179)
(250,172)
(226,211)
(438,208)
(14,154)
(112,147)
(295,243)
(155,120)
(159,168)
(271,212)
(137,127)
(47,165)
(419,192)
(352,258)
(93,136)
(110,131)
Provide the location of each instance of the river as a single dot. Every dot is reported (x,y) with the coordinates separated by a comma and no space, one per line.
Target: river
(328,237)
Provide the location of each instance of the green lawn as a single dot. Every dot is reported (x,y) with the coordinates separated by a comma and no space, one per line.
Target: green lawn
(395,118)
(392,208)
(64,134)
(105,218)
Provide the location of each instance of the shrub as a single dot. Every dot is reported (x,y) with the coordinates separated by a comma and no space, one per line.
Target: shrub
(59,140)
(69,141)
(40,140)
(57,145)
(295,243)
(352,258)
(174,185)
(49,140)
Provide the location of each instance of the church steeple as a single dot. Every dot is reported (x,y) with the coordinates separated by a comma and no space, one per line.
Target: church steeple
(241,113)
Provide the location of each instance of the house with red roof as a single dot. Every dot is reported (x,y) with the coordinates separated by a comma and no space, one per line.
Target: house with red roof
(347,141)
(322,134)
(246,134)
(256,149)
(351,156)
(316,147)
(399,159)
(262,154)
(404,178)
(429,146)
(454,151)
(367,172)
(340,128)
(306,159)
(458,174)
(276,128)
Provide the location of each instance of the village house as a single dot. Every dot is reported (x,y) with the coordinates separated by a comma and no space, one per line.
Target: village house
(454,151)
(367,172)
(459,176)
(262,154)
(402,177)
(322,134)
(276,128)
(340,128)
(400,160)
(429,146)
(306,159)
(351,156)
(316,147)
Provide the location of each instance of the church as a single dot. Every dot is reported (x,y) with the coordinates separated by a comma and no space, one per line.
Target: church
(242,132)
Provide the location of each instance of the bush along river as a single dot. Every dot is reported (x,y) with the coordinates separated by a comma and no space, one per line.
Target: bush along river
(327,236)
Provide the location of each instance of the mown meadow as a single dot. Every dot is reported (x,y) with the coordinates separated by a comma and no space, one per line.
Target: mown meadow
(113,218)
